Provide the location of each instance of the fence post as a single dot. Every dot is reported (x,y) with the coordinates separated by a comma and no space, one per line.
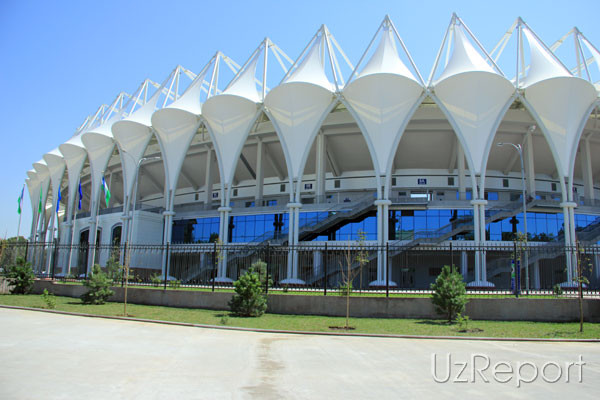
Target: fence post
(387,270)
(55,256)
(123,269)
(451,257)
(214,258)
(26,250)
(267,257)
(325,256)
(167,267)
(87,254)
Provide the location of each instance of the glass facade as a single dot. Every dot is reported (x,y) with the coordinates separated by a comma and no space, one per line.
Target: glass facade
(404,225)
(412,224)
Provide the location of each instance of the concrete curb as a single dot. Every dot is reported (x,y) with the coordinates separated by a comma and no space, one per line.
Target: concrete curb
(259,330)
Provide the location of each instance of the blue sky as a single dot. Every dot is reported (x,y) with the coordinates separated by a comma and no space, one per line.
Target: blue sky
(62,59)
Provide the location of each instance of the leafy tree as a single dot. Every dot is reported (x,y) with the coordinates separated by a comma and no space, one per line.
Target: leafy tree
(20,276)
(11,249)
(348,274)
(99,285)
(449,293)
(249,299)
(115,271)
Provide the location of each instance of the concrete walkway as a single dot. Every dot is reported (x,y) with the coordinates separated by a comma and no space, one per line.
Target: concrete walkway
(65,357)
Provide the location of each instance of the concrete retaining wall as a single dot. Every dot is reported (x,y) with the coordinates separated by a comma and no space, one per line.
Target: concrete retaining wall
(4,288)
(510,309)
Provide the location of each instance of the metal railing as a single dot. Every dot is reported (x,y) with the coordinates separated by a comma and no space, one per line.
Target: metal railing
(321,266)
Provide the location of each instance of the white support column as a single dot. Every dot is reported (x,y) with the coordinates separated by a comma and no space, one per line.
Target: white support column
(569,230)
(536,275)
(92,254)
(586,168)
(258,198)
(224,236)
(125,218)
(529,165)
(464,265)
(382,239)
(67,253)
(168,229)
(208,179)
(476,233)
(293,235)
(320,168)
(317,263)
(380,267)
(482,241)
(296,241)
(480,254)
(462,189)
(51,240)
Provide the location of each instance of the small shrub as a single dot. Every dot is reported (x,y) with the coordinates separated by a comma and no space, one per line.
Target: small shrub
(249,299)
(345,289)
(99,287)
(449,293)
(175,284)
(557,290)
(49,299)
(224,319)
(155,279)
(20,276)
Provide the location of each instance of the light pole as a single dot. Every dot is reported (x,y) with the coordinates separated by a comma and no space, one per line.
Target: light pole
(519,149)
(130,226)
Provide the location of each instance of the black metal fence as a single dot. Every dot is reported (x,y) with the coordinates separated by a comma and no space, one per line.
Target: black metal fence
(318,266)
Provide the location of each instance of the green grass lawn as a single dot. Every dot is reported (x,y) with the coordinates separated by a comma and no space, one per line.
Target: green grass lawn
(318,323)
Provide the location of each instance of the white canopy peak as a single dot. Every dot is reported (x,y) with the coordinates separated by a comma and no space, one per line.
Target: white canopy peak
(244,84)
(204,85)
(461,55)
(112,113)
(310,65)
(386,58)
(543,63)
(582,62)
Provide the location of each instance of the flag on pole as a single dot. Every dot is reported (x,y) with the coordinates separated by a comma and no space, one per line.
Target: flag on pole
(80,195)
(106,191)
(58,201)
(40,205)
(20,200)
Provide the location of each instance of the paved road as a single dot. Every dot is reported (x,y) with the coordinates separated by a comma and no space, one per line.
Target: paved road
(64,357)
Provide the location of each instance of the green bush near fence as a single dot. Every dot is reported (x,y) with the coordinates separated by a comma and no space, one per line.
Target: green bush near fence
(98,285)
(20,276)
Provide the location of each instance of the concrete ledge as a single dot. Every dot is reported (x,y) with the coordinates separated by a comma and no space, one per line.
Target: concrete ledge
(509,309)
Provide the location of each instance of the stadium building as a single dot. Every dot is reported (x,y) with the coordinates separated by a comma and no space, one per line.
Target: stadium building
(301,154)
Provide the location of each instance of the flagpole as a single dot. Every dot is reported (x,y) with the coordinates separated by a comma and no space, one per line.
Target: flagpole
(20,213)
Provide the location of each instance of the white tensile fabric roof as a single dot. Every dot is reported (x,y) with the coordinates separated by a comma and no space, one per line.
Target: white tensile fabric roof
(299,104)
(560,102)
(382,95)
(230,115)
(474,97)
(132,134)
(373,100)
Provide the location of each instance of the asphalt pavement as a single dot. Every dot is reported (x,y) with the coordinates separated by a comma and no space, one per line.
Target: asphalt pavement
(52,356)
